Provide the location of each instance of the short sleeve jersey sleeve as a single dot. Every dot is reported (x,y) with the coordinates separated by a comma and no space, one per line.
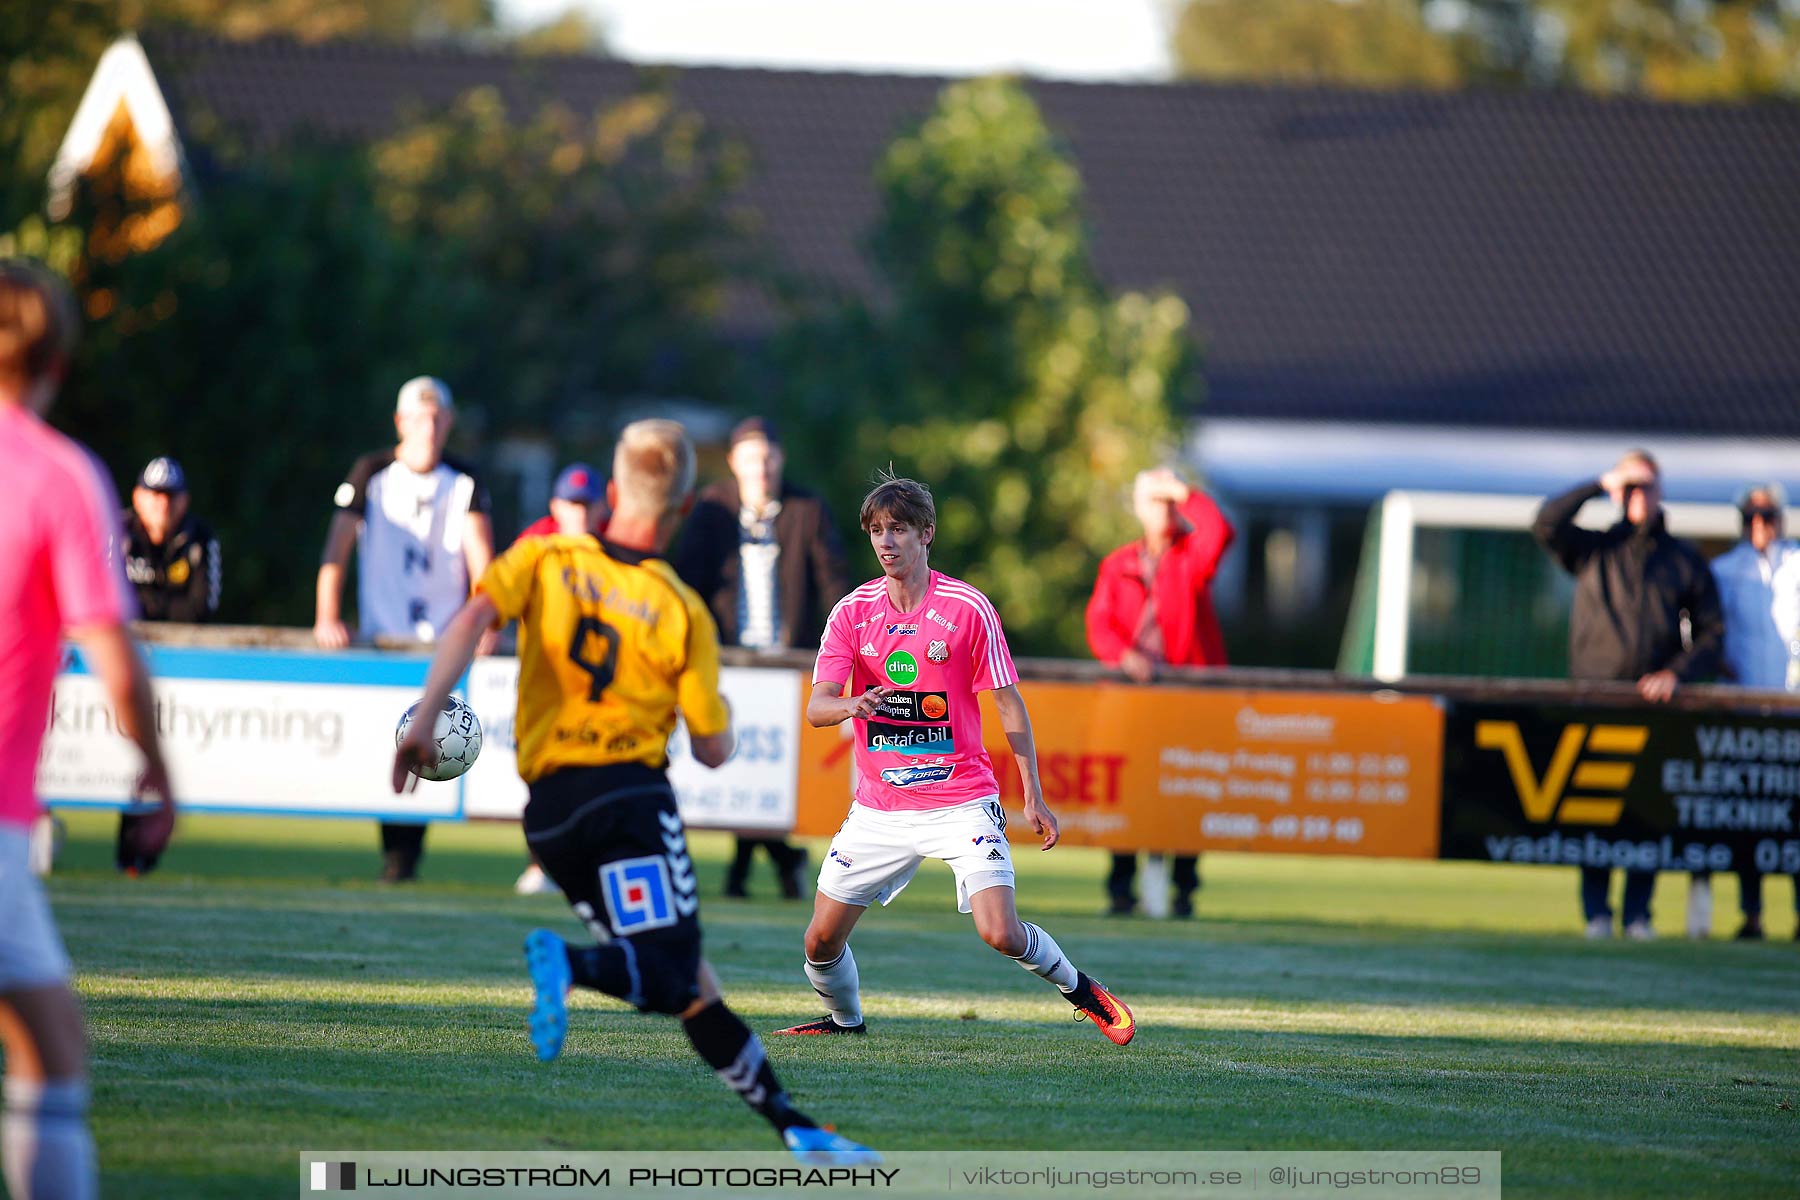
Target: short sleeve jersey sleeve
(479,501)
(509,579)
(86,540)
(697,690)
(352,495)
(837,650)
(990,661)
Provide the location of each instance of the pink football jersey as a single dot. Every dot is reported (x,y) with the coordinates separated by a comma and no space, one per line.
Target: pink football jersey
(59,568)
(923,749)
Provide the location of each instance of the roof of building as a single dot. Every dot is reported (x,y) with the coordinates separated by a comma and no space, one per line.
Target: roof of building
(1539,260)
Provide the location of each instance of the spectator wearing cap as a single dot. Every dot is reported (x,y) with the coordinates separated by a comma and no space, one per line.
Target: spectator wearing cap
(1151,608)
(171,556)
(421,527)
(765,556)
(172,560)
(577,505)
(1759,591)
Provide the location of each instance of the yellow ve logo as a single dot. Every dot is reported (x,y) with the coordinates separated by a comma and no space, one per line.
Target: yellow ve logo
(1544,799)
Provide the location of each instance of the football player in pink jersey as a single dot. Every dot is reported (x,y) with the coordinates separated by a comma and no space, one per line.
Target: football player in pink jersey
(59,529)
(905,657)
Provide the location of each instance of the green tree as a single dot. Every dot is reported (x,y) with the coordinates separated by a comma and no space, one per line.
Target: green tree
(1689,50)
(574,32)
(1365,43)
(604,242)
(1003,374)
(548,269)
(1675,50)
(48,49)
(258,360)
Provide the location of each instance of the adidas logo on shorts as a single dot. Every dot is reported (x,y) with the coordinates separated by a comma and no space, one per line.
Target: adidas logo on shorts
(994,855)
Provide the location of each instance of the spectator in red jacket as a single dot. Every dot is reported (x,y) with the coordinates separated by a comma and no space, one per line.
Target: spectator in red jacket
(577,504)
(1152,606)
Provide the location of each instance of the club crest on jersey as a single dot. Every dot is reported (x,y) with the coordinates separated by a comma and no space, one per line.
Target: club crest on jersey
(939,618)
(938,652)
(902,630)
(638,895)
(905,777)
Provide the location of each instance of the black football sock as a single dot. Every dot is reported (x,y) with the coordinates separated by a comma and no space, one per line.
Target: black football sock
(736,1056)
(601,969)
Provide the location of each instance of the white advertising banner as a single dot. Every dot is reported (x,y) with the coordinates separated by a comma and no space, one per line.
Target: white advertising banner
(754,791)
(296,733)
(757,789)
(236,744)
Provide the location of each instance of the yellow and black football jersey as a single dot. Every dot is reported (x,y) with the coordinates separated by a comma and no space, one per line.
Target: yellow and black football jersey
(611,644)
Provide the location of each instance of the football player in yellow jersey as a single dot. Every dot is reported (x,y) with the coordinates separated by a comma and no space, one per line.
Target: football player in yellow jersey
(611,646)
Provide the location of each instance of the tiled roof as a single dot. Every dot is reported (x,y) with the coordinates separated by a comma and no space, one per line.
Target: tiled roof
(1527,260)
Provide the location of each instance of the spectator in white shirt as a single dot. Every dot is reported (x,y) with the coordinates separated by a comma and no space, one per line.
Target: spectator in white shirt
(1759,591)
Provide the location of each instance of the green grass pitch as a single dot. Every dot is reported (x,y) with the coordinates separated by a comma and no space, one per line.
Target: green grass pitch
(260,995)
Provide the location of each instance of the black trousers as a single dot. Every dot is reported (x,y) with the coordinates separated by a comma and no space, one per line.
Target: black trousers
(612,840)
(405,844)
(1750,882)
(786,857)
(1184,873)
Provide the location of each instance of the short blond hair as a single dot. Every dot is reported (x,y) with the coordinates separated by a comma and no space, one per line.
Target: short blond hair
(653,467)
(38,321)
(1638,454)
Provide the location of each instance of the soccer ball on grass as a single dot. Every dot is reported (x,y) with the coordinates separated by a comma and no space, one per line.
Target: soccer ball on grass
(456,740)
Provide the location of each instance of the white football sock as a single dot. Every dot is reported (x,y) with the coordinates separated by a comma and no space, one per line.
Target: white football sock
(837,985)
(44,1137)
(1044,958)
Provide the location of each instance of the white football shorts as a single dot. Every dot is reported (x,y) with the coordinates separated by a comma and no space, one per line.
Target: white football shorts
(31,953)
(875,854)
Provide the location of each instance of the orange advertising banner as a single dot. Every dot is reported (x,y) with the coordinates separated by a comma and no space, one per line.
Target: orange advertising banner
(1191,769)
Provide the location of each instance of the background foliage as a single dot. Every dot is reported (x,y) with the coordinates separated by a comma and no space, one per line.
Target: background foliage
(555,266)
(566,270)
(1663,49)
(1002,373)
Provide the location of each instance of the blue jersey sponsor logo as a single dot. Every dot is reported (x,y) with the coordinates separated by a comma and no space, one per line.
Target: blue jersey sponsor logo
(910,739)
(903,777)
(637,894)
(902,630)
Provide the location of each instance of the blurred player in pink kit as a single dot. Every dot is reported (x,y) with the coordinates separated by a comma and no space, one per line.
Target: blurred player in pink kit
(905,657)
(59,527)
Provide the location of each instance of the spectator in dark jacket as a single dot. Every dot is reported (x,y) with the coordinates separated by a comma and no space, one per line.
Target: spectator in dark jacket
(1634,584)
(171,556)
(172,561)
(1151,607)
(767,560)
